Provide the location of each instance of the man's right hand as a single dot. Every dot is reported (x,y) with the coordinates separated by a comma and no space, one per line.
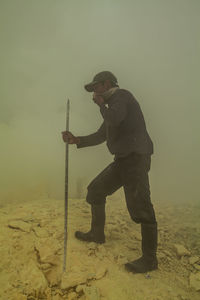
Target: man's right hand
(69,138)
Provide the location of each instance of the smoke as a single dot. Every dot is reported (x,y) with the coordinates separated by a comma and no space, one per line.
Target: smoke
(50,49)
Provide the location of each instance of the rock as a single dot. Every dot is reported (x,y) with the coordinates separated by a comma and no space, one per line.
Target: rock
(80,288)
(181,250)
(101,272)
(57,297)
(121,259)
(91,275)
(195,281)
(161,255)
(99,255)
(91,293)
(92,246)
(72,296)
(33,280)
(45,267)
(137,236)
(40,232)
(182,297)
(102,249)
(197,267)
(47,250)
(72,279)
(53,276)
(91,252)
(48,294)
(193,260)
(20,225)
(167,253)
(20,297)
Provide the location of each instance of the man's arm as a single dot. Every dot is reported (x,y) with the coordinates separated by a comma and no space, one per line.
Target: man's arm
(93,139)
(114,114)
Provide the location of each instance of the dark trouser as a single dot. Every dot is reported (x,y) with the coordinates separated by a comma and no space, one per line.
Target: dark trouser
(131,172)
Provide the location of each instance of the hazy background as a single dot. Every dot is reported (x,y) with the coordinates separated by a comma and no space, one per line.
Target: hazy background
(50,49)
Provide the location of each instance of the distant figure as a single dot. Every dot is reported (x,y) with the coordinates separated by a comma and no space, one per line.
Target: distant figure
(125,133)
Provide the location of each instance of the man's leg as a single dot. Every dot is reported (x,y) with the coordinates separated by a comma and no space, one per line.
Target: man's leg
(106,183)
(137,192)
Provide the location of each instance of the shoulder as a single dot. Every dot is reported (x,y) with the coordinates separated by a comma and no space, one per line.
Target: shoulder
(124,95)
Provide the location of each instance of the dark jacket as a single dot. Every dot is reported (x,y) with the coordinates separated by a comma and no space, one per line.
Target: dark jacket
(123,129)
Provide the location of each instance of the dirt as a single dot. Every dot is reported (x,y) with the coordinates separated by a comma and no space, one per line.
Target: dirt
(31,252)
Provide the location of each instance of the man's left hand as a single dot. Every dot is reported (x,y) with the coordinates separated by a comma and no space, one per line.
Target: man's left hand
(98,99)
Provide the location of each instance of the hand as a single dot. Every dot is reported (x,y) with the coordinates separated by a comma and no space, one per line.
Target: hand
(98,99)
(69,138)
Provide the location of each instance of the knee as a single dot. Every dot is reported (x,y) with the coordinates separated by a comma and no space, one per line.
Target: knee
(134,218)
(95,195)
(142,216)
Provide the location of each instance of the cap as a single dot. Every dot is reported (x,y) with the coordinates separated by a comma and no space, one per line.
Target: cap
(102,76)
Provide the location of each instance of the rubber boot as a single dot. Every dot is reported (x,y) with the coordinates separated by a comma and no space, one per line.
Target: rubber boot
(96,233)
(148,261)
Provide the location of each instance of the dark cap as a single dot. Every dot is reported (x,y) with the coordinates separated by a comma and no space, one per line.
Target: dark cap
(100,77)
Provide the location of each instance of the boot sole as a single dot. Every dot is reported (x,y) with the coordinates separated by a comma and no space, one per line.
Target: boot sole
(129,267)
(80,236)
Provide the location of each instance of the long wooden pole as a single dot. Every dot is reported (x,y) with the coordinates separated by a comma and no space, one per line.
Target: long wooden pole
(66,189)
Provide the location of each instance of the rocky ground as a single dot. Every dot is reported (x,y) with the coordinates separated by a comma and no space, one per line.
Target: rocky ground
(31,252)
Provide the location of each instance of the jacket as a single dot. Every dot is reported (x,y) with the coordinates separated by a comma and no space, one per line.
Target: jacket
(123,127)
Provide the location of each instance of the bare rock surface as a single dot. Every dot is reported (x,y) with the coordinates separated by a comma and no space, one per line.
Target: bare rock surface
(92,293)
(194,259)
(101,272)
(181,250)
(73,279)
(20,225)
(31,251)
(195,281)
(33,280)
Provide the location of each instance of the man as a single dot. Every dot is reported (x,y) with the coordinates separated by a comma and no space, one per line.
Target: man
(125,133)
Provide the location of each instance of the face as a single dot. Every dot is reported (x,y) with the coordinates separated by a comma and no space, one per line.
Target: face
(101,87)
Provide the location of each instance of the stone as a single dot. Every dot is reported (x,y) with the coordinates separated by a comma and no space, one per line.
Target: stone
(197,267)
(33,279)
(91,275)
(181,250)
(80,288)
(57,297)
(167,253)
(100,255)
(40,232)
(20,225)
(137,236)
(92,293)
(20,297)
(102,249)
(47,250)
(101,272)
(72,279)
(53,276)
(48,293)
(92,246)
(45,267)
(71,296)
(195,281)
(193,260)
(161,255)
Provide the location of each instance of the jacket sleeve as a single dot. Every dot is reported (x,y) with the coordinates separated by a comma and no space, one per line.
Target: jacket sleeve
(114,114)
(94,138)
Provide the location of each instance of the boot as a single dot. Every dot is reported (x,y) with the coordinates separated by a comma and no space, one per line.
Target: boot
(148,261)
(96,233)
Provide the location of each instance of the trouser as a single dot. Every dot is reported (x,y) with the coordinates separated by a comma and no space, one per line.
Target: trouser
(131,173)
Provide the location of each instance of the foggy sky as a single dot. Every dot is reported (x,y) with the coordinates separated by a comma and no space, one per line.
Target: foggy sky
(50,49)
